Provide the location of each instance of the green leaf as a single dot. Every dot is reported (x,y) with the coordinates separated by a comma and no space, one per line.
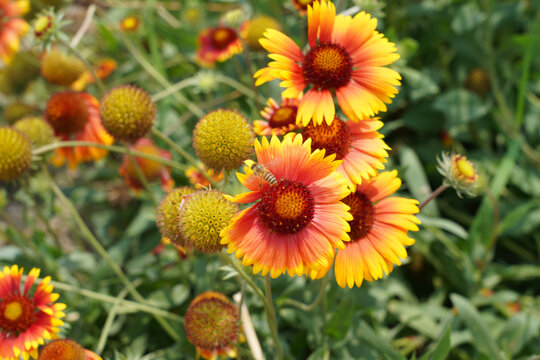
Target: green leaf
(483,341)
(517,332)
(416,179)
(443,346)
(377,342)
(419,84)
(461,106)
(467,18)
(444,224)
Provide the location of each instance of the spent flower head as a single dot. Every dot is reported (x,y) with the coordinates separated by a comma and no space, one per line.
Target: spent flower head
(15,154)
(39,131)
(66,349)
(459,173)
(168,217)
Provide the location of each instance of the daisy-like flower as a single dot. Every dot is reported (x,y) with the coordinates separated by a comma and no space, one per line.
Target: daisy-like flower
(75,116)
(197,178)
(12,27)
(302,5)
(218,44)
(66,349)
(358,144)
(27,317)
(346,56)
(280,118)
(378,231)
(151,169)
(299,219)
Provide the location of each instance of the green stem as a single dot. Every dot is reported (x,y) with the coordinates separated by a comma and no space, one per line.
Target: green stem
(318,299)
(174,88)
(184,154)
(104,254)
(126,304)
(109,321)
(113,148)
(141,176)
(241,88)
(89,66)
(271,317)
(520,106)
(432,196)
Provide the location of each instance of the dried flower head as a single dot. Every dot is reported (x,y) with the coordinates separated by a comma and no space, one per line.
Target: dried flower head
(203,215)
(66,349)
(61,69)
(459,173)
(15,154)
(253,30)
(168,217)
(211,324)
(127,113)
(39,132)
(223,139)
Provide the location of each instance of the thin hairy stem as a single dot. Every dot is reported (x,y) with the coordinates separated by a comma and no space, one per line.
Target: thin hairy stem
(433,195)
(314,303)
(141,176)
(271,317)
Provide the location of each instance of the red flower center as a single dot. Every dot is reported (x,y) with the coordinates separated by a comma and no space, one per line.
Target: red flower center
(64,349)
(223,37)
(327,66)
(67,112)
(211,323)
(16,313)
(363,213)
(283,116)
(286,207)
(334,138)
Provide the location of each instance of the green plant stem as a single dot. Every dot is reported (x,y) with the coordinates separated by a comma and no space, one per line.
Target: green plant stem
(271,317)
(520,106)
(113,148)
(318,299)
(432,196)
(141,176)
(184,154)
(126,304)
(109,321)
(240,87)
(89,66)
(174,88)
(105,255)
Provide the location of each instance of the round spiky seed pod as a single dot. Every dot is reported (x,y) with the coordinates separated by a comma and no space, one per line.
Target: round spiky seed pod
(223,139)
(64,349)
(253,30)
(16,111)
(169,214)
(15,154)
(203,215)
(61,69)
(211,324)
(127,113)
(39,131)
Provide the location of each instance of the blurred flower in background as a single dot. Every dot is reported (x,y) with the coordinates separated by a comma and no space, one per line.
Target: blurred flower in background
(15,154)
(12,27)
(218,44)
(197,178)
(459,173)
(66,349)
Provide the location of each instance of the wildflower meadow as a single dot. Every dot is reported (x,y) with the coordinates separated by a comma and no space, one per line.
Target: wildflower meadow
(279,179)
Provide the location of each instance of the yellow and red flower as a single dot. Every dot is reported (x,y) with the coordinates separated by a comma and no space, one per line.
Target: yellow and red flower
(358,144)
(66,349)
(75,116)
(218,44)
(346,56)
(130,23)
(299,219)
(197,178)
(27,317)
(12,27)
(378,232)
(103,70)
(280,118)
(151,169)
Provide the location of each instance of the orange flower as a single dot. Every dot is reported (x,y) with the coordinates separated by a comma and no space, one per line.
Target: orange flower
(280,119)
(211,324)
(346,55)
(378,232)
(130,23)
(12,27)
(302,5)
(218,44)
(197,178)
(103,70)
(151,169)
(27,317)
(75,116)
(66,349)
(358,144)
(299,219)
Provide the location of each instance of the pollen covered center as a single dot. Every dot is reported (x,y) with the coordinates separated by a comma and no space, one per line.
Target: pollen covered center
(334,138)
(223,37)
(287,207)
(16,313)
(363,214)
(465,169)
(327,66)
(63,349)
(283,116)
